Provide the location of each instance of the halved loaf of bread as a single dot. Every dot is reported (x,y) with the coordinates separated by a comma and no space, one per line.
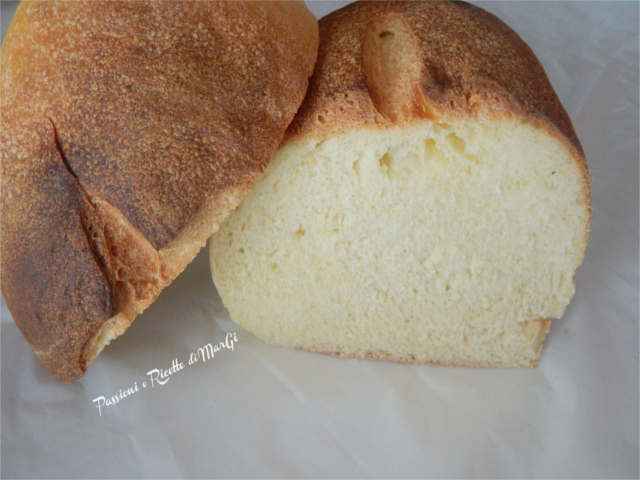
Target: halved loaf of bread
(129,131)
(431,202)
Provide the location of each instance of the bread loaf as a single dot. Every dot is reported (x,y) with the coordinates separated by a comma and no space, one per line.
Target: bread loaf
(431,202)
(129,131)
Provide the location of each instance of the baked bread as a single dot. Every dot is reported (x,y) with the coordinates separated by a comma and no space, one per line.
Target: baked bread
(130,130)
(430,204)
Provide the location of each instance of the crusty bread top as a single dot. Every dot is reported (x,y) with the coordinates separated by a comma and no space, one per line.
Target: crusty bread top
(120,123)
(159,104)
(382,63)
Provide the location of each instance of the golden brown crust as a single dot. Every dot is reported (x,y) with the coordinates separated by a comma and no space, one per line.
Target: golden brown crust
(152,99)
(123,123)
(453,59)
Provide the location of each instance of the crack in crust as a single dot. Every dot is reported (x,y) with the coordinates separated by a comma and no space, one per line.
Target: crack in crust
(87,204)
(129,263)
(379,62)
(393,70)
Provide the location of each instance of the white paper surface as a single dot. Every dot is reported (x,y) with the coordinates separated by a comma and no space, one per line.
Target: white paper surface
(260,411)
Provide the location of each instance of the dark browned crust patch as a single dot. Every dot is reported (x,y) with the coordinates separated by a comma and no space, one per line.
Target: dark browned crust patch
(51,279)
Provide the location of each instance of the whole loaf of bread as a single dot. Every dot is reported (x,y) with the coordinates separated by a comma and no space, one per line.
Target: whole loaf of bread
(129,131)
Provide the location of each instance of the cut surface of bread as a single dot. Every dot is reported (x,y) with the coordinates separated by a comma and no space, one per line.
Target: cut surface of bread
(128,132)
(450,244)
(396,227)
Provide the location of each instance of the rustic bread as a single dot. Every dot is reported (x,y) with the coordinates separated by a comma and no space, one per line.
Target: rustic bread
(130,130)
(431,202)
